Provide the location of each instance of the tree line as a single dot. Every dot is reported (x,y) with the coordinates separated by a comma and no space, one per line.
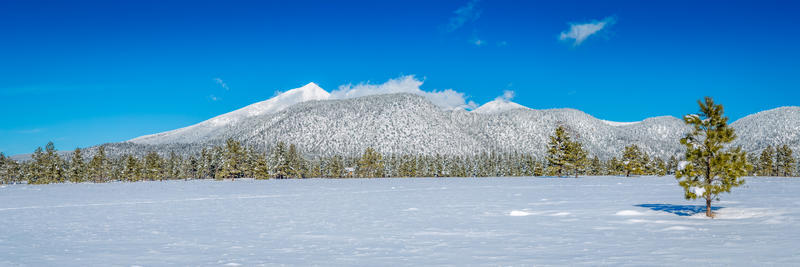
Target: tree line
(565,157)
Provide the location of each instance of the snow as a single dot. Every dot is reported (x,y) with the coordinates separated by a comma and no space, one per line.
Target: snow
(682,165)
(586,221)
(308,92)
(617,123)
(498,106)
(629,213)
(698,191)
(519,213)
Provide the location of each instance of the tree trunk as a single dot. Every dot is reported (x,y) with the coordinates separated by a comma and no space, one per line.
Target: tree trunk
(708,208)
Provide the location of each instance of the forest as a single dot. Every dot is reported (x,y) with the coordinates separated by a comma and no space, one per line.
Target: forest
(564,158)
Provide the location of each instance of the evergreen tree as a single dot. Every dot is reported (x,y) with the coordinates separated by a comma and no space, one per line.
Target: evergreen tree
(36,168)
(766,163)
(232,161)
(98,166)
(172,169)
(336,167)
(632,161)
(132,171)
(595,167)
(754,160)
(647,164)
(672,165)
(54,169)
(315,168)
(659,167)
(784,161)
(370,165)
(280,164)
(710,169)
(261,167)
(576,157)
(77,169)
(4,175)
(153,167)
(297,166)
(558,151)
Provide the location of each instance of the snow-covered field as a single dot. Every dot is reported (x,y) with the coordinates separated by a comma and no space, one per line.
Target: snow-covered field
(387,222)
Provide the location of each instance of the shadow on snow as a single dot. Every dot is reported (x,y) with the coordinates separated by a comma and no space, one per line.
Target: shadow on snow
(680,210)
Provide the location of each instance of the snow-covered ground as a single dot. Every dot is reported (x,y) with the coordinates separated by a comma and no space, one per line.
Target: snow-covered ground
(388,222)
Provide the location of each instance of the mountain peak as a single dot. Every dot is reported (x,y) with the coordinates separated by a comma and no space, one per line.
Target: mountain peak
(498,106)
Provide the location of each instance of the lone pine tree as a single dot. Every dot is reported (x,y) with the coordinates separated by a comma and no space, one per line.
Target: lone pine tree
(710,170)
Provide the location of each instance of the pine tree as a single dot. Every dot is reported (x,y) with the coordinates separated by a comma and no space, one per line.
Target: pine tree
(98,166)
(576,157)
(632,161)
(77,169)
(297,166)
(232,160)
(336,167)
(370,165)
(4,175)
(261,167)
(659,167)
(614,167)
(153,167)
(132,171)
(785,161)
(766,164)
(280,164)
(55,169)
(672,165)
(557,151)
(710,169)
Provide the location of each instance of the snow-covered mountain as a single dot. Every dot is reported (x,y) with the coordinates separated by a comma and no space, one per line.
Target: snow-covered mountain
(773,127)
(217,125)
(409,123)
(497,106)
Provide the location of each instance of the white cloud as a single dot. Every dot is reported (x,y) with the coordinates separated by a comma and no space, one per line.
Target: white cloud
(579,32)
(222,84)
(479,42)
(447,99)
(507,95)
(213,98)
(463,14)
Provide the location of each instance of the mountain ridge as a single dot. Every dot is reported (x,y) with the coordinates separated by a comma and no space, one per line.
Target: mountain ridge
(406,123)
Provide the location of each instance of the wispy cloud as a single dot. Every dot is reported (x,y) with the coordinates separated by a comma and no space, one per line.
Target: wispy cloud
(222,84)
(462,15)
(507,95)
(478,42)
(213,98)
(578,32)
(447,99)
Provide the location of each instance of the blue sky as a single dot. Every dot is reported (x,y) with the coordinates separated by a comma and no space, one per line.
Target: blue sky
(81,73)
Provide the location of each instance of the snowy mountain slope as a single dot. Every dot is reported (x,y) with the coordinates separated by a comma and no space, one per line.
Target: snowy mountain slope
(773,127)
(223,122)
(408,123)
(498,106)
(617,123)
